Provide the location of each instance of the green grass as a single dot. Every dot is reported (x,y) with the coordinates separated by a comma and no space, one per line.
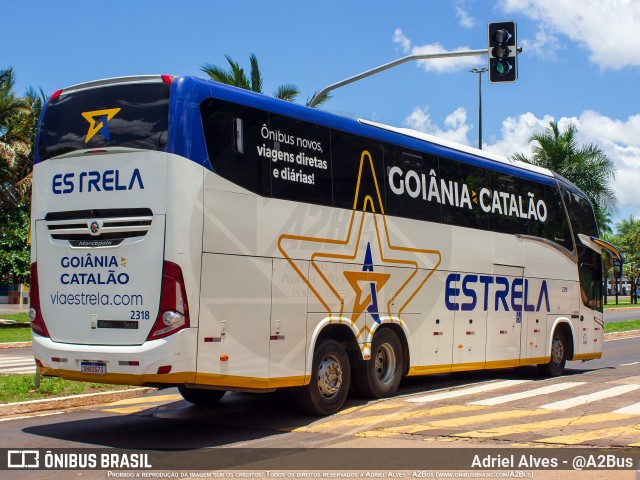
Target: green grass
(18,317)
(20,388)
(8,335)
(622,326)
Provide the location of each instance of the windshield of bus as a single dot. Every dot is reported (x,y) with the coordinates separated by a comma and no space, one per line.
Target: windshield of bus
(132,115)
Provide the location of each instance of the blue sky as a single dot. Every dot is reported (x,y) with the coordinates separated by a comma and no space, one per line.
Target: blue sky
(581,60)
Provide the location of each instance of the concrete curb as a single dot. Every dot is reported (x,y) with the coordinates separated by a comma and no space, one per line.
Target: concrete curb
(73,401)
(620,335)
(15,345)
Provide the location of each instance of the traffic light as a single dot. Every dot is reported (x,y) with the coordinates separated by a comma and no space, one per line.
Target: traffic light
(503,55)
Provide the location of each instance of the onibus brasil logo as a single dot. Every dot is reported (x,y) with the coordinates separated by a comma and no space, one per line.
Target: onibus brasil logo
(99,122)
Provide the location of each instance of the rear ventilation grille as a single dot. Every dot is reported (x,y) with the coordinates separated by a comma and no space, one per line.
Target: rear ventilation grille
(99,228)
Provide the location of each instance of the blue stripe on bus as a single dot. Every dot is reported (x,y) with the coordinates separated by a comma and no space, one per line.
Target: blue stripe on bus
(188,92)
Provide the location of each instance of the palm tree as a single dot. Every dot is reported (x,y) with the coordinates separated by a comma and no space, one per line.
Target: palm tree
(18,122)
(588,167)
(237,77)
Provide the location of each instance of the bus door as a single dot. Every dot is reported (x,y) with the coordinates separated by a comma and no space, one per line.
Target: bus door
(504,322)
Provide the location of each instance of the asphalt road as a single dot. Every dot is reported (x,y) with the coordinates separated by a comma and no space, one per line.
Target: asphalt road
(504,408)
(621,315)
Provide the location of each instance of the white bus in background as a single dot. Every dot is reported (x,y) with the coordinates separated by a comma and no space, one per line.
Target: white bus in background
(193,234)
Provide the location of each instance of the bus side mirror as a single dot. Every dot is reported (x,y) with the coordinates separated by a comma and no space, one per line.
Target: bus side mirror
(617,268)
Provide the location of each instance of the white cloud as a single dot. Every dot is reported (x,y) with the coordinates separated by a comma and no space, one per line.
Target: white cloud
(515,134)
(466,20)
(619,139)
(437,65)
(607,28)
(455,128)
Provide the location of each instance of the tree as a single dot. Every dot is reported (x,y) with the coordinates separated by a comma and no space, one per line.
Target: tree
(237,77)
(15,256)
(586,166)
(627,239)
(18,123)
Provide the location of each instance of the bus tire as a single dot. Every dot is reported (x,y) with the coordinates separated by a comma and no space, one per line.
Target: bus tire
(330,379)
(204,397)
(380,376)
(559,351)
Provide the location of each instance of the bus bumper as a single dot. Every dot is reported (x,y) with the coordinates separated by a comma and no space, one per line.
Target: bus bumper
(170,360)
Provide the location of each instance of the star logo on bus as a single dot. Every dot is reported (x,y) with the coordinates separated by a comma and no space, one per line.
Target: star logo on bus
(373,283)
(391,274)
(99,122)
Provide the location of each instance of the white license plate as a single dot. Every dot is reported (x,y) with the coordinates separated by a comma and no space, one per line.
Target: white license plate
(99,368)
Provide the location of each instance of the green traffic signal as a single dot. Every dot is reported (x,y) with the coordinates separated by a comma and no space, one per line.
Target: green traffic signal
(503,51)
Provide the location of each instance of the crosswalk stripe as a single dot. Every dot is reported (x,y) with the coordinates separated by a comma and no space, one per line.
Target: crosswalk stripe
(373,407)
(17,361)
(466,391)
(590,435)
(557,387)
(457,422)
(6,371)
(544,425)
(592,397)
(632,409)
(409,414)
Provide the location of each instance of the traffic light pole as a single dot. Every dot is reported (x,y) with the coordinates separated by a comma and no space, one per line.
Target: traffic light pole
(395,63)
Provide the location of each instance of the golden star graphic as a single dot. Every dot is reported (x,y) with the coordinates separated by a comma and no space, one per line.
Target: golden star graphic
(403,284)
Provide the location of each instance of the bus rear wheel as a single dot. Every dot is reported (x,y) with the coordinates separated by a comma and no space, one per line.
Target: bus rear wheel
(380,376)
(330,379)
(201,396)
(559,351)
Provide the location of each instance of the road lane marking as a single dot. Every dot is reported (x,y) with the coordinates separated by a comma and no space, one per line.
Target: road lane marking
(373,407)
(527,394)
(629,364)
(371,419)
(544,425)
(631,409)
(592,397)
(590,435)
(466,391)
(137,404)
(456,422)
(139,400)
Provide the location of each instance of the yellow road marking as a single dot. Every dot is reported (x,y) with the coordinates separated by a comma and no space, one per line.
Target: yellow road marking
(140,400)
(549,424)
(582,437)
(374,407)
(409,414)
(455,422)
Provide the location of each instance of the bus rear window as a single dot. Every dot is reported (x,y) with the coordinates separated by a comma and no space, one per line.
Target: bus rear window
(134,115)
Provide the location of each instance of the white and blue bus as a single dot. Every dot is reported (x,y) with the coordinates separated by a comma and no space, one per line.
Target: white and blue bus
(193,234)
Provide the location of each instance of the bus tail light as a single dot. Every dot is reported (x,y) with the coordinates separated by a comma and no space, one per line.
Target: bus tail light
(35,315)
(173,314)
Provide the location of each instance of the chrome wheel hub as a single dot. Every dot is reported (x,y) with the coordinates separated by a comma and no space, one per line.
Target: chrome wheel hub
(329,376)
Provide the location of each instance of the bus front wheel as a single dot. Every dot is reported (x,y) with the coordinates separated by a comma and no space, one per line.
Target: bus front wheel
(201,396)
(559,352)
(330,379)
(380,376)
